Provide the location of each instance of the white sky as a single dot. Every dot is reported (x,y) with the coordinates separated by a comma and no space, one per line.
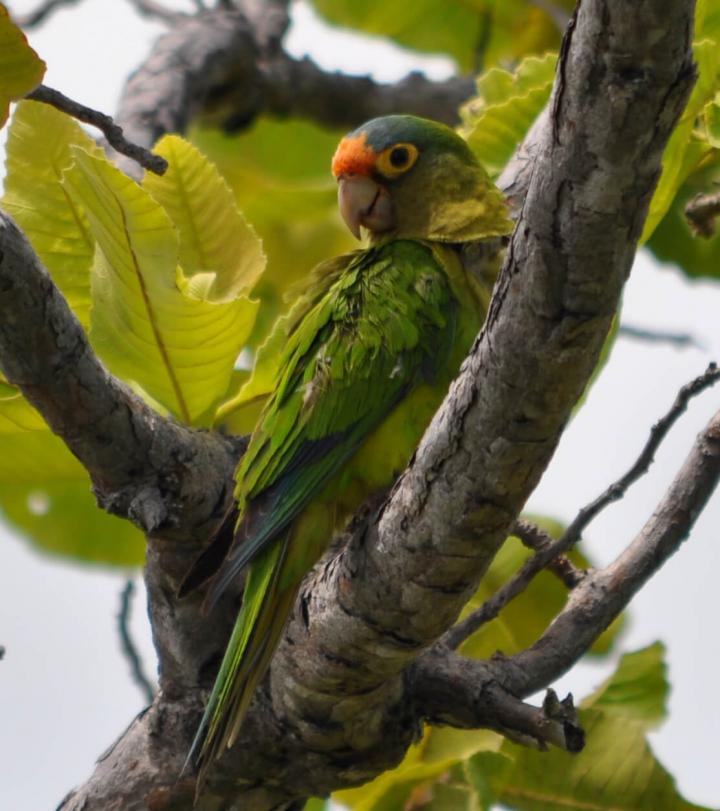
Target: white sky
(65,692)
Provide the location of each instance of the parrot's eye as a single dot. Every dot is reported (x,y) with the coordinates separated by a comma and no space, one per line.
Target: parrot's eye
(396,160)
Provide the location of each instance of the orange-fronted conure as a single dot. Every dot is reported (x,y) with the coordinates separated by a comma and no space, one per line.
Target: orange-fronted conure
(368,353)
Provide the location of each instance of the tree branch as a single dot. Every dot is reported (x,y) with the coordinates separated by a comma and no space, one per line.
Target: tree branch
(605,593)
(228,67)
(157,11)
(43,11)
(128,646)
(533,566)
(465,693)
(112,132)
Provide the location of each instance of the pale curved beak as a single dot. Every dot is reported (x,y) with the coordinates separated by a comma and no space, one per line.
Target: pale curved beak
(362,201)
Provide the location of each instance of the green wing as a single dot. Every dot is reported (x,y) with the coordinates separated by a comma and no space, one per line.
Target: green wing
(385,325)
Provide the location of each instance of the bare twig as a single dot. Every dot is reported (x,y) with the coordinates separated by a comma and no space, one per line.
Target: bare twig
(494,604)
(604,593)
(104,123)
(701,212)
(127,645)
(679,339)
(157,11)
(42,12)
(536,538)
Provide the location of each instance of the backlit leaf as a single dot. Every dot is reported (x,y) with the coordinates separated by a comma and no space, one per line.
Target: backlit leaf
(38,150)
(498,118)
(145,324)
(21,69)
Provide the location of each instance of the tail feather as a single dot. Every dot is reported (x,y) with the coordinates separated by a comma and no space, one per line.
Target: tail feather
(265,608)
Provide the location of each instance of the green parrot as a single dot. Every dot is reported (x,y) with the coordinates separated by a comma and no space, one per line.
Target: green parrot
(368,352)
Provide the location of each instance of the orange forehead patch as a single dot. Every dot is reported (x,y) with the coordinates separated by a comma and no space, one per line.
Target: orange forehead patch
(354,156)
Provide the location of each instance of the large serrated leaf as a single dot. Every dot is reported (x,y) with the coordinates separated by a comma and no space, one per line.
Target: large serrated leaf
(440,750)
(21,69)
(498,118)
(637,689)
(145,326)
(616,771)
(220,253)
(38,150)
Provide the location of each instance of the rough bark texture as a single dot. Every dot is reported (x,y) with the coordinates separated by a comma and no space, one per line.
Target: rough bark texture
(360,667)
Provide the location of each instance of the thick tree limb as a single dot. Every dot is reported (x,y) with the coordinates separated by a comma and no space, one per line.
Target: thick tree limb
(336,709)
(229,67)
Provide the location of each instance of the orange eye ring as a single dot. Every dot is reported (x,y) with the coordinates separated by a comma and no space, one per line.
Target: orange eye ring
(396,159)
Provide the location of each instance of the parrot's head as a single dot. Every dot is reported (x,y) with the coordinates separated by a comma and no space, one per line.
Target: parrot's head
(406,177)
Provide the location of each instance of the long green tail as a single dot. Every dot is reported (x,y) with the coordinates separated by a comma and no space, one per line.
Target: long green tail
(267,602)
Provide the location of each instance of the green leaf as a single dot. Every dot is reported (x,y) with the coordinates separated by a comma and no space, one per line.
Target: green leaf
(498,118)
(638,688)
(21,69)
(473,32)
(685,151)
(45,494)
(280,174)
(38,150)
(147,323)
(441,750)
(219,252)
(16,414)
(616,771)
(672,241)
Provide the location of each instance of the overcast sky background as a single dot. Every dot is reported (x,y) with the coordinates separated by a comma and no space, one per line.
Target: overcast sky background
(65,690)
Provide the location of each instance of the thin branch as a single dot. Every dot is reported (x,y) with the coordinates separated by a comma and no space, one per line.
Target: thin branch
(43,11)
(701,212)
(678,339)
(538,539)
(605,593)
(137,671)
(157,11)
(104,123)
(534,565)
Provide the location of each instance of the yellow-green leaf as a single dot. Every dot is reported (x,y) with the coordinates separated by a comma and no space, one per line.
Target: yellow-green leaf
(38,150)
(220,253)
(637,689)
(685,152)
(145,326)
(498,118)
(616,771)
(440,750)
(21,69)
(61,517)
(16,414)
